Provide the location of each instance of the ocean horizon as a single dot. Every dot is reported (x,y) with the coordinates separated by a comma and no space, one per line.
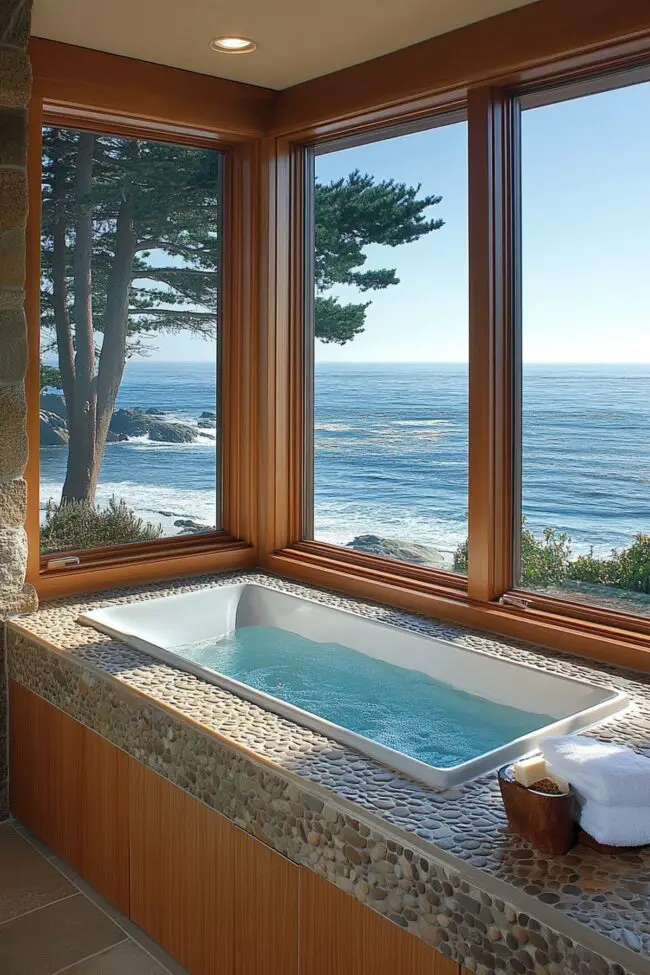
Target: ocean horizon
(391,451)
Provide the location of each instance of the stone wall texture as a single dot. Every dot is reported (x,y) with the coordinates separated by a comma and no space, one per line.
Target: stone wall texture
(15,87)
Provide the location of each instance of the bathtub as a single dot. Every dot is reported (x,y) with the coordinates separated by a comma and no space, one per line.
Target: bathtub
(165,627)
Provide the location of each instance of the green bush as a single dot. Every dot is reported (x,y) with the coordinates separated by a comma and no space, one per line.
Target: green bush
(547,562)
(76,525)
(628,568)
(461,559)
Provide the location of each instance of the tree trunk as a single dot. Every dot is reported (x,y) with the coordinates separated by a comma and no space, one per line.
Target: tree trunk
(83,469)
(65,347)
(113,355)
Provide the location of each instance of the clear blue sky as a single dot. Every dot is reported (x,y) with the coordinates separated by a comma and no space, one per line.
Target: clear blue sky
(586,240)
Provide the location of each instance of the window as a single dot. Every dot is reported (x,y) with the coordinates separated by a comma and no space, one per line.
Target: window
(586,350)
(130,290)
(388,348)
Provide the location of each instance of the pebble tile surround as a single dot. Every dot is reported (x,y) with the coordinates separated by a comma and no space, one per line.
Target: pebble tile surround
(441,864)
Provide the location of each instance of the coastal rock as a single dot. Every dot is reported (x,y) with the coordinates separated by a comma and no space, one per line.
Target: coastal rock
(208,415)
(134,423)
(54,403)
(171,433)
(154,411)
(395,548)
(206,424)
(190,527)
(54,432)
(116,437)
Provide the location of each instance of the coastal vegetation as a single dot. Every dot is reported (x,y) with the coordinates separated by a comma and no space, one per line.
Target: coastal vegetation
(78,526)
(547,561)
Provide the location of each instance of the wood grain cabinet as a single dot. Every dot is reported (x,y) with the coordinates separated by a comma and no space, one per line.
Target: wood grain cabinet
(339,936)
(216,899)
(69,787)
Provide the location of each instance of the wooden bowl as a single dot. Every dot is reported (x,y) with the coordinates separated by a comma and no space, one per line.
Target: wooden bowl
(547,820)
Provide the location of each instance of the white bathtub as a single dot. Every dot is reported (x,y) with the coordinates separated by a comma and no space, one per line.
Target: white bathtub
(157,626)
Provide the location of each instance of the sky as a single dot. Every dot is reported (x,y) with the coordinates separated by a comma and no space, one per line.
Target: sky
(585,241)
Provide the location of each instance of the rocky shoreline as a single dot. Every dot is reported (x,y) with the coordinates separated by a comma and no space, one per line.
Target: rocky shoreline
(149,422)
(395,548)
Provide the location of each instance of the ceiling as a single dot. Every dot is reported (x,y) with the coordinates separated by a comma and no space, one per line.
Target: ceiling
(297,39)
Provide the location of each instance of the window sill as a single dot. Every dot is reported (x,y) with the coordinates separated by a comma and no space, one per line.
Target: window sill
(125,564)
(438,597)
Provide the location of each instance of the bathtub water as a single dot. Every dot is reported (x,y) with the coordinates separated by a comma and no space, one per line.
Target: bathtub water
(395,706)
(438,711)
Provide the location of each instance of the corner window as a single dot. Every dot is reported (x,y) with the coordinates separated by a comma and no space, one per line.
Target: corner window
(130,293)
(387,348)
(585,377)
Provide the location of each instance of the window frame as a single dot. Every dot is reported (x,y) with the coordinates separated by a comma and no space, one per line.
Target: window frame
(487,599)
(588,82)
(307,153)
(89,90)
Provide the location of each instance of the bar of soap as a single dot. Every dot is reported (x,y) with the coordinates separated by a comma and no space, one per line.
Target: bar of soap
(530,770)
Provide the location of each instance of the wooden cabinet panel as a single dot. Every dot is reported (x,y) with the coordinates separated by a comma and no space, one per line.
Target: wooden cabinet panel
(180,873)
(216,899)
(340,936)
(266,909)
(68,786)
(105,820)
(28,763)
(64,749)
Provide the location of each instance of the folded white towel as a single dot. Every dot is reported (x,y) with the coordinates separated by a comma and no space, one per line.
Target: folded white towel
(616,825)
(607,774)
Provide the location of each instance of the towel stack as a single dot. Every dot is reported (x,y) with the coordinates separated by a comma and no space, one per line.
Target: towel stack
(612,784)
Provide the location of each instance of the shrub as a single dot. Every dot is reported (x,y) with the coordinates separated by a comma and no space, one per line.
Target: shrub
(628,568)
(544,561)
(633,565)
(76,525)
(547,562)
(460,558)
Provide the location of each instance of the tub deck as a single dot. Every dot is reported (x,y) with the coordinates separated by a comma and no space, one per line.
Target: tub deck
(440,863)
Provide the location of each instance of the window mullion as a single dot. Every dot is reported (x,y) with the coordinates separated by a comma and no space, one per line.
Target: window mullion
(493,331)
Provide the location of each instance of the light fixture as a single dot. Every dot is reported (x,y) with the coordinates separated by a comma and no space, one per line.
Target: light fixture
(233,45)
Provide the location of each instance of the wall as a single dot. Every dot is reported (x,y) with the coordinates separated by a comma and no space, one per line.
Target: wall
(15,86)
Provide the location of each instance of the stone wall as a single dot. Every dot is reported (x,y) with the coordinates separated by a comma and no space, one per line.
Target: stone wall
(15,86)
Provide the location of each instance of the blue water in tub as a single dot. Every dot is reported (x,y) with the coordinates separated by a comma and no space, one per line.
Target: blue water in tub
(400,708)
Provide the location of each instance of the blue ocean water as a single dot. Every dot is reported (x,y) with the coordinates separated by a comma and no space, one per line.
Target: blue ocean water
(403,709)
(391,451)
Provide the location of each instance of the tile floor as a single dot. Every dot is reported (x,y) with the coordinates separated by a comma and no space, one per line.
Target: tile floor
(52,922)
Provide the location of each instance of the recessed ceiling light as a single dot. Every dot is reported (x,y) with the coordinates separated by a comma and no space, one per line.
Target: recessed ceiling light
(233,45)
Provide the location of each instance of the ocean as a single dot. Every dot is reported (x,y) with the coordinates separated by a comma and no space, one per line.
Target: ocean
(391,452)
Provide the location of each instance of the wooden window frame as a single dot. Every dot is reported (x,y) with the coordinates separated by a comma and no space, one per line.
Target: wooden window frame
(302,342)
(84,89)
(585,44)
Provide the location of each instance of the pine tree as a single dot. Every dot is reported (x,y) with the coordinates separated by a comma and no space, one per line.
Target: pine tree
(351,214)
(130,234)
